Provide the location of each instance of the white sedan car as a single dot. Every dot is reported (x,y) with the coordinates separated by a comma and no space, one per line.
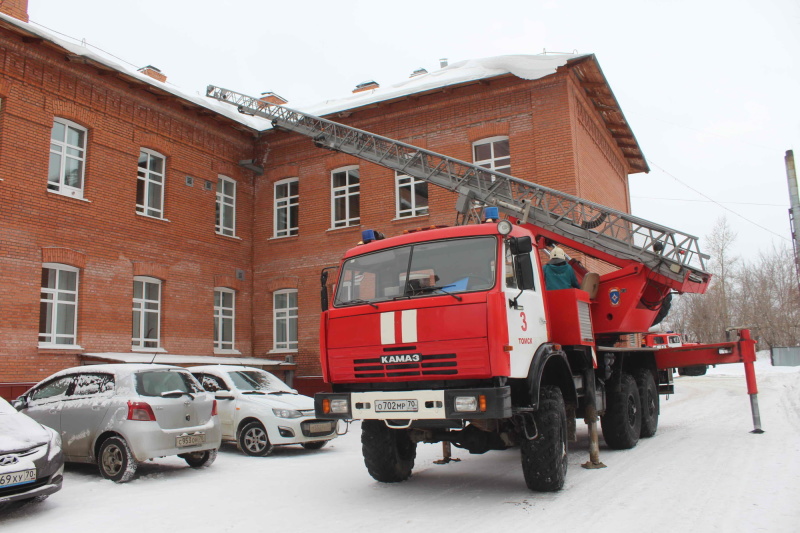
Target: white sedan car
(259,411)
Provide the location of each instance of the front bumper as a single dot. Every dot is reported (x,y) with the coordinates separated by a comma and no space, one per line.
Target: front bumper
(300,430)
(429,404)
(50,476)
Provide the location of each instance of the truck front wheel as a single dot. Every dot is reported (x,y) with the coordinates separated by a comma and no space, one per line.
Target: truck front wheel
(388,453)
(622,423)
(544,459)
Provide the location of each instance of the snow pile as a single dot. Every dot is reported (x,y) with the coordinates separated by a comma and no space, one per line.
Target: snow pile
(763,365)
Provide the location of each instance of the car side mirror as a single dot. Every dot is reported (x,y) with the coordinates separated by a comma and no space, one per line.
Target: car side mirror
(20,403)
(223,395)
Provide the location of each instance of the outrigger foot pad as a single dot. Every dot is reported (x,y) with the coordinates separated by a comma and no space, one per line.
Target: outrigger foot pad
(446,460)
(757,431)
(593,466)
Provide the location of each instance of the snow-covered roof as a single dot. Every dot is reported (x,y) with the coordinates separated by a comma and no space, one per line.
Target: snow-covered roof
(527,67)
(173,359)
(88,55)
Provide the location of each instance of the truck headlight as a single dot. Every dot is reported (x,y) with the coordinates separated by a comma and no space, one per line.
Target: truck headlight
(466,403)
(340,406)
(286,413)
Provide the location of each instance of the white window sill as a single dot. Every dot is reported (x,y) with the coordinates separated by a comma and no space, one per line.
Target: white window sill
(278,237)
(152,217)
(64,195)
(49,346)
(147,350)
(283,351)
(228,236)
(395,219)
(226,352)
(356,226)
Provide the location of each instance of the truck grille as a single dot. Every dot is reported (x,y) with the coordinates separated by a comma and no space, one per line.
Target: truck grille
(428,365)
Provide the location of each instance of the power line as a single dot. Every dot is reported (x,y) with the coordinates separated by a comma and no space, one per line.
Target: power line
(705,201)
(716,202)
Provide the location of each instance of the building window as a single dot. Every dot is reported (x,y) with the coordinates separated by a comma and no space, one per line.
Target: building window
(58,308)
(226,206)
(345,190)
(224,315)
(67,158)
(150,185)
(492,153)
(287,200)
(412,196)
(146,312)
(285,319)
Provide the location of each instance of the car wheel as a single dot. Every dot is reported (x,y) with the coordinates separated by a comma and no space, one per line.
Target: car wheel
(253,440)
(116,461)
(199,459)
(314,445)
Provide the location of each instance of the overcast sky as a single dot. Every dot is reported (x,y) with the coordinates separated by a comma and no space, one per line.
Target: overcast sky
(710,88)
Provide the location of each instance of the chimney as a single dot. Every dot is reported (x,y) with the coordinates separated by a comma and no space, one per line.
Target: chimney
(272,98)
(366,86)
(154,73)
(419,72)
(15,8)
(443,62)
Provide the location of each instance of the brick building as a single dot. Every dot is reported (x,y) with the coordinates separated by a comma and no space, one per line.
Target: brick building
(140,222)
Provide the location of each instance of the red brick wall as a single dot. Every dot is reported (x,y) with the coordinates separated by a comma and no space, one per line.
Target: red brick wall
(104,231)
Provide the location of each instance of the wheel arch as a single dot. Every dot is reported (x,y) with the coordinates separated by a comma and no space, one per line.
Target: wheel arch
(246,420)
(551,367)
(101,439)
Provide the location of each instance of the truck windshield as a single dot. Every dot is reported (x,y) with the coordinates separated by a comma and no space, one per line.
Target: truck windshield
(419,270)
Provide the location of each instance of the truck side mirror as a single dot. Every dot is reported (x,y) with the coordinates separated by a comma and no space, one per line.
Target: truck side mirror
(520,245)
(523,270)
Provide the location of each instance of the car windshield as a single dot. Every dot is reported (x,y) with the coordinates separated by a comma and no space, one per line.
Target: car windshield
(156,382)
(258,381)
(418,270)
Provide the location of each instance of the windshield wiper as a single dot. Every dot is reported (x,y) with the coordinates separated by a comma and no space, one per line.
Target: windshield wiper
(433,288)
(176,393)
(253,392)
(358,301)
(281,392)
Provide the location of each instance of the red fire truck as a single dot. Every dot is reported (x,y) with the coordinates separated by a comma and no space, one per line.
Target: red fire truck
(450,335)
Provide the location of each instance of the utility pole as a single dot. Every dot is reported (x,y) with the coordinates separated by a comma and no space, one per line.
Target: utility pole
(794,210)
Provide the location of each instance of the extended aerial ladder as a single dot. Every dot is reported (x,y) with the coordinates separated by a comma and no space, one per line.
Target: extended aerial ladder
(610,235)
(653,260)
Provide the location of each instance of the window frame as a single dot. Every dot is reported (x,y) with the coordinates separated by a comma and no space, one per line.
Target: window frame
(219,320)
(285,203)
(491,162)
(51,343)
(61,187)
(346,191)
(285,314)
(223,202)
(411,183)
(143,341)
(145,208)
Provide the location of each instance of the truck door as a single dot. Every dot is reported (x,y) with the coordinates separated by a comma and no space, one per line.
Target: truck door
(527,326)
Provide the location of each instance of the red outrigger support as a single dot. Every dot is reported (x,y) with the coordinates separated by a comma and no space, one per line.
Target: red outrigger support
(741,351)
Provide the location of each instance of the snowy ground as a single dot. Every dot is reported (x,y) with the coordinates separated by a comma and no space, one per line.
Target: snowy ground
(703,471)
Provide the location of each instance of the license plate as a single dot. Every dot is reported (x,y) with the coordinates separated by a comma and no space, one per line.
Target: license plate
(189,440)
(396,406)
(18,478)
(320,427)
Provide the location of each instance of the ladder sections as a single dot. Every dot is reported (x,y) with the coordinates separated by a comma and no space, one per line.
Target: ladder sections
(620,237)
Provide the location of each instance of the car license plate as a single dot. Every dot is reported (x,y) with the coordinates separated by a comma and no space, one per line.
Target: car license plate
(190,440)
(396,406)
(18,478)
(320,427)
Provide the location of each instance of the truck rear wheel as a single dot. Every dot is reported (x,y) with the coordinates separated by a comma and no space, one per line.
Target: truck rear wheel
(622,423)
(648,394)
(388,453)
(544,459)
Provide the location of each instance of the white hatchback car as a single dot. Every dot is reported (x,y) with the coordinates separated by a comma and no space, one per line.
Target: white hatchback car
(259,411)
(122,414)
